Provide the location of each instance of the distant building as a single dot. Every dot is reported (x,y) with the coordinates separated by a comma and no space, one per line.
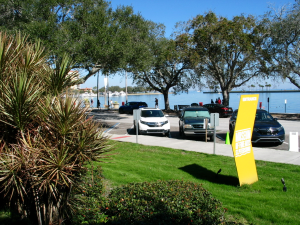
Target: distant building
(88,90)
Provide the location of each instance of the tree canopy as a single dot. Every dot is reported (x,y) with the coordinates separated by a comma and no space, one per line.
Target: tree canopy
(226,52)
(94,35)
(283,43)
(170,69)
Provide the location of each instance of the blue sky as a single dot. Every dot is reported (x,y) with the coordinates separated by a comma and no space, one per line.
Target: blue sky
(169,12)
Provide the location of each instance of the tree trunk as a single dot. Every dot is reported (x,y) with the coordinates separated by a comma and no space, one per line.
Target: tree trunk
(225,94)
(166,98)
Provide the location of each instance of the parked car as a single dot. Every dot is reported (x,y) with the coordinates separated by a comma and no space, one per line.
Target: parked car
(192,122)
(266,128)
(130,106)
(224,111)
(152,121)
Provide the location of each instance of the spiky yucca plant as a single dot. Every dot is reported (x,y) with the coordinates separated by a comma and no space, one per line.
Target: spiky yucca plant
(47,140)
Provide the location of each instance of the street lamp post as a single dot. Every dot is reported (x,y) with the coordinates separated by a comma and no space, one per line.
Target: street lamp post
(98,90)
(126,86)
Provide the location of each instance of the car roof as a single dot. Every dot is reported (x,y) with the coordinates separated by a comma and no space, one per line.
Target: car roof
(257,110)
(149,108)
(197,108)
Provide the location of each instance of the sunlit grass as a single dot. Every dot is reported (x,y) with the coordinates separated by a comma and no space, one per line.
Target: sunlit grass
(263,202)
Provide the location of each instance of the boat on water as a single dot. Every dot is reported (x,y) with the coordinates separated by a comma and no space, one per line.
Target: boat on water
(86,94)
(115,93)
(122,93)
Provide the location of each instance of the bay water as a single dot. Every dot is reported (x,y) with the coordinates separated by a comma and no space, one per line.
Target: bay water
(279,102)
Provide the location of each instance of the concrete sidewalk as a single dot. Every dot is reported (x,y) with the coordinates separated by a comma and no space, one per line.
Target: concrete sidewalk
(264,154)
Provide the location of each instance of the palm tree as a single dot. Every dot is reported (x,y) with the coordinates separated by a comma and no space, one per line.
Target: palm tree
(262,87)
(47,140)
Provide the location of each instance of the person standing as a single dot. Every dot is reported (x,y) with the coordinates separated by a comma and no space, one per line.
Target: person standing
(92,102)
(98,103)
(111,104)
(156,103)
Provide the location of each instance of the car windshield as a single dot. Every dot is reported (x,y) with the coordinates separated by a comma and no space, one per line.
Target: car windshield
(263,116)
(196,114)
(152,113)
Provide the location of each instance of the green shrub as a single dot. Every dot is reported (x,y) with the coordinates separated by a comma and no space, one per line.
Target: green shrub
(90,203)
(163,202)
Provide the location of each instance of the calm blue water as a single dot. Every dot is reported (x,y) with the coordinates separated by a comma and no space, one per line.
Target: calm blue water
(276,104)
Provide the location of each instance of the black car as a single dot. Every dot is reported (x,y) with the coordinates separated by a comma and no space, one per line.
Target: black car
(130,106)
(224,111)
(266,128)
(192,122)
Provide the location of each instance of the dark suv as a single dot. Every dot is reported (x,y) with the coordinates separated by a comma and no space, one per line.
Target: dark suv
(266,128)
(192,120)
(130,106)
(224,111)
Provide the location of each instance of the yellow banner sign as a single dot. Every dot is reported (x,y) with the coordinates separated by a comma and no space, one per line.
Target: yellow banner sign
(241,143)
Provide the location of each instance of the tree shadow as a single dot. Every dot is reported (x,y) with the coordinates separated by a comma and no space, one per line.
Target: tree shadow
(202,173)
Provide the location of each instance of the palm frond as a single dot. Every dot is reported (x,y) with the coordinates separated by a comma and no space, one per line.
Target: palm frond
(19,100)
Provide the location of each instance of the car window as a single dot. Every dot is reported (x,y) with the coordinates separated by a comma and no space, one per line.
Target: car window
(152,113)
(132,103)
(196,114)
(263,116)
(234,115)
(142,104)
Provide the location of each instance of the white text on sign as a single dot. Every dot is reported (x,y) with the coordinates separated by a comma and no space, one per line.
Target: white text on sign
(242,142)
(249,99)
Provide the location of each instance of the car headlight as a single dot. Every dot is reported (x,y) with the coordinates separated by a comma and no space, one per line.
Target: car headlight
(164,122)
(279,128)
(187,126)
(143,122)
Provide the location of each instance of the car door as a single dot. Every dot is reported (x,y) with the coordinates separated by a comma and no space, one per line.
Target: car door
(211,108)
(128,107)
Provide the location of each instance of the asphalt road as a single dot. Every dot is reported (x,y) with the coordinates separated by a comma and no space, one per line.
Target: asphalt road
(122,124)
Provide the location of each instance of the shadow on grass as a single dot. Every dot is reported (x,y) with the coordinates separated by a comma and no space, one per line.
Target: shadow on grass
(202,173)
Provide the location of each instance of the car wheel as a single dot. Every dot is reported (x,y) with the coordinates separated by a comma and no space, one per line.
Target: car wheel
(230,134)
(212,138)
(167,134)
(121,111)
(139,132)
(180,132)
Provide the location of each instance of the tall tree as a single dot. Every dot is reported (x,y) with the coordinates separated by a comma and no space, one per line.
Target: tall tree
(227,50)
(284,42)
(94,35)
(171,69)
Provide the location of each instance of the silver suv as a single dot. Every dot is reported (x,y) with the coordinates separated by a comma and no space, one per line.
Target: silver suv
(192,122)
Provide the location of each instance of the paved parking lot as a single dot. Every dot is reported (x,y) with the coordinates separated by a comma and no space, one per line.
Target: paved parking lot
(122,124)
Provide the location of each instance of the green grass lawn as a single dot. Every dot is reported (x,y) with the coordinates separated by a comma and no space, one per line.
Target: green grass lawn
(263,202)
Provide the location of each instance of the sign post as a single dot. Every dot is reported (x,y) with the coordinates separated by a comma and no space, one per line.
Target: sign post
(214,121)
(285,106)
(241,143)
(136,118)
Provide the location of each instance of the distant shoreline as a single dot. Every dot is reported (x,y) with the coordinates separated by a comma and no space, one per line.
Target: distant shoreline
(273,91)
(150,93)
